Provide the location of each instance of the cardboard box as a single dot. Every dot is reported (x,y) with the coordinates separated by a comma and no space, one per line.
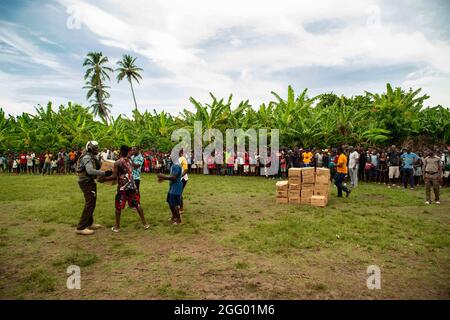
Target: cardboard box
(282,194)
(322,188)
(282,185)
(108,165)
(307,171)
(305,200)
(307,193)
(294,172)
(319,201)
(322,171)
(294,193)
(295,187)
(308,187)
(309,179)
(295,200)
(282,200)
(294,180)
(321,192)
(323,179)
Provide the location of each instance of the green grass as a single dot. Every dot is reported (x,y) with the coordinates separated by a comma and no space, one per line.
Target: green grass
(235,242)
(79,258)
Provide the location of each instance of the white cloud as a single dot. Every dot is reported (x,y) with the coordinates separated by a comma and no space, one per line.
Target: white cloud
(173,38)
(24,48)
(236,46)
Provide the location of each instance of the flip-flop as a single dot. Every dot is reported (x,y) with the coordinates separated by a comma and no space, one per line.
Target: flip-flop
(114,229)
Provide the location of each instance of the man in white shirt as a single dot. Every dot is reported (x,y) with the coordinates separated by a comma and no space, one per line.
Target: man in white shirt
(353,165)
(104,155)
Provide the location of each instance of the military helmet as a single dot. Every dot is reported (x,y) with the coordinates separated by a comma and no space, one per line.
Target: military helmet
(90,145)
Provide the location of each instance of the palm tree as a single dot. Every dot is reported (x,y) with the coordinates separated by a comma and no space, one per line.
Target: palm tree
(128,69)
(98,105)
(97,73)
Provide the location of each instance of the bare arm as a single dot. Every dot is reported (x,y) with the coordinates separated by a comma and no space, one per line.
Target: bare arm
(166,177)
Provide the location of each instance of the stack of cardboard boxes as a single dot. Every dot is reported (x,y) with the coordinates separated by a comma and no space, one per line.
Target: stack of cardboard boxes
(308,178)
(282,191)
(321,188)
(295,185)
(305,186)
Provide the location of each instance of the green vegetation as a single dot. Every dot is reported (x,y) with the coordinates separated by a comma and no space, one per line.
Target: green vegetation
(235,242)
(396,116)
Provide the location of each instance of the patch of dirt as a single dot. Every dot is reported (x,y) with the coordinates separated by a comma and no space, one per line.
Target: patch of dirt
(138,264)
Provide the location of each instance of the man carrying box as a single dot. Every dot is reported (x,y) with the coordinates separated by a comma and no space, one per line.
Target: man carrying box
(87,170)
(126,188)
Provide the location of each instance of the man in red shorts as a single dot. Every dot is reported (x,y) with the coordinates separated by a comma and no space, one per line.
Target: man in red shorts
(126,188)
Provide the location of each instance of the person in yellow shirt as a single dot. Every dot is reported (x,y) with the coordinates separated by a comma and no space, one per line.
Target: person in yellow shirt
(342,171)
(307,158)
(184,176)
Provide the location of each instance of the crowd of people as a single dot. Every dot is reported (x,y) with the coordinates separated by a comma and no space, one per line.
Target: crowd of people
(63,161)
(393,167)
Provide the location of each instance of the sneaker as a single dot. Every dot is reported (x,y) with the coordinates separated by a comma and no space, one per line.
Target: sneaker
(95,226)
(85,232)
(412,188)
(389,187)
(427,202)
(438,202)
(146,227)
(348,193)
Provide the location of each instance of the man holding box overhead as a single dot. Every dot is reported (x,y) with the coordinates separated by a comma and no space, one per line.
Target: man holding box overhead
(87,170)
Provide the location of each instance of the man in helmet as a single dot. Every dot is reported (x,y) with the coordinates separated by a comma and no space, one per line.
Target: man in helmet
(88,169)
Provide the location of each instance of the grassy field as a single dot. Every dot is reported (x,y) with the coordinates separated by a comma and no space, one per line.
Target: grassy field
(234,243)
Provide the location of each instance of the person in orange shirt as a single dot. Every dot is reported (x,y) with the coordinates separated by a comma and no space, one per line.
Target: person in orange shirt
(72,160)
(307,158)
(342,171)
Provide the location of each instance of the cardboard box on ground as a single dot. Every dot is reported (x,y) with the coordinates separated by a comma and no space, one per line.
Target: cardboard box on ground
(282,192)
(305,186)
(108,165)
(319,201)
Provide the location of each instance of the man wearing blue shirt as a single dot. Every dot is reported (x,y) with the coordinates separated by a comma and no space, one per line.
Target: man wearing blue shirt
(175,191)
(408,160)
(137,160)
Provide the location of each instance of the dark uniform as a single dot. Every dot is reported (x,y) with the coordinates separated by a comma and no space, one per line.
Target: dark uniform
(88,170)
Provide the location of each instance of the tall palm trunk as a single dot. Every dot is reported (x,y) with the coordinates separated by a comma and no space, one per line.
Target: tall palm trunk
(104,113)
(132,91)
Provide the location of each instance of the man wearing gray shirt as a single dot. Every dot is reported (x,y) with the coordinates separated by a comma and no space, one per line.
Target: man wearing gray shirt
(87,170)
(432,174)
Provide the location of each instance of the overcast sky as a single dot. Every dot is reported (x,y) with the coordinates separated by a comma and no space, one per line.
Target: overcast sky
(248,48)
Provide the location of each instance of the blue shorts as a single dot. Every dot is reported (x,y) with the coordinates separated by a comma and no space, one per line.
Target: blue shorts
(174,199)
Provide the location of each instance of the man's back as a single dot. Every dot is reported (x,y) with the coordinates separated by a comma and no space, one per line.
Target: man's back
(432,164)
(176,186)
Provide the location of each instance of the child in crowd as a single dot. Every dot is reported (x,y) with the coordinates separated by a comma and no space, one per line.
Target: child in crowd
(15,166)
(54,166)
